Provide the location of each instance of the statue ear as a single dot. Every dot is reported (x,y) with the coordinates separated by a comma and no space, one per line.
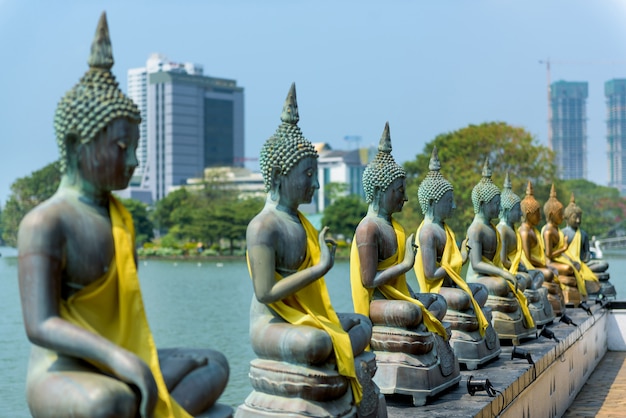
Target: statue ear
(72,146)
(275,182)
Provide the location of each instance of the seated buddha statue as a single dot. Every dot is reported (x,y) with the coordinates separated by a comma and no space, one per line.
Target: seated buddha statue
(533,252)
(593,271)
(93,354)
(408,335)
(311,360)
(438,265)
(568,270)
(512,319)
(511,256)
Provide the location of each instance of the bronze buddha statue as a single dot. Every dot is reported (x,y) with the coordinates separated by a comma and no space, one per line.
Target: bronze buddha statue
(408,335)
(93,353)
(438,265)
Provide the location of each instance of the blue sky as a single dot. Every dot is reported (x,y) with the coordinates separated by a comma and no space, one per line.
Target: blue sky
(427,67)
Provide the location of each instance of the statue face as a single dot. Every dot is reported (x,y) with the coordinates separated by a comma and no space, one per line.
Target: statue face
(491,209)
(574,220)
(300,184)
(515,213)
(392,200)
(444,207)
(109,161)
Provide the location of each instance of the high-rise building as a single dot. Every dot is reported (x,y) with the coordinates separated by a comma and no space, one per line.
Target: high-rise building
(615,93)
(568,105)
(189,122)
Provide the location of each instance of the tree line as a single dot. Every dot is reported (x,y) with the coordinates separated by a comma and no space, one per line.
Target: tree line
(212,215)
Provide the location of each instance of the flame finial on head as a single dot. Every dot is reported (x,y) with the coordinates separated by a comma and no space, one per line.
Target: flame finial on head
(552,205)
(287,146)
(434,185)
(95,101)
(383,169)
(485,190)
(572,208)
(508,198)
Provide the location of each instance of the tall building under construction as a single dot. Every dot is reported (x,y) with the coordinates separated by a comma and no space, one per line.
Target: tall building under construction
(615,93)
(568,125)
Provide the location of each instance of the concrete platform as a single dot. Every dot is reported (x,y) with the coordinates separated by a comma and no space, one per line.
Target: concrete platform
(545,388)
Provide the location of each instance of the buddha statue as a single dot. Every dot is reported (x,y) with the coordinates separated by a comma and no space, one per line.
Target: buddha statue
(533,252)
(408,335)
(512,319)
(311,360)
(568,270)
(511,255)
(93,353)
(578,250)
(438,265)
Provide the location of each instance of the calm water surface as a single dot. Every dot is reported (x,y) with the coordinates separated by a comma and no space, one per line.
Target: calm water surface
(188,304)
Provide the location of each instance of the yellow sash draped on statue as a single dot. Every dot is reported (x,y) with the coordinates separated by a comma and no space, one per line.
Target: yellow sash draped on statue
(515,256)
(580,281)
(112,307)
(395,289)
(452,262)
(311,306)
(519,295)
(538,252)
(573,251)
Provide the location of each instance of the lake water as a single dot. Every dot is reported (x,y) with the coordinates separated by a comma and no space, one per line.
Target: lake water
(189,304)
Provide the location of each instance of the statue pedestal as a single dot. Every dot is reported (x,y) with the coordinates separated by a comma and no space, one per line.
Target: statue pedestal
(571,294)
(508,320)
(286,389)
(539,306)
(413,363)
(471,348)
(555,297)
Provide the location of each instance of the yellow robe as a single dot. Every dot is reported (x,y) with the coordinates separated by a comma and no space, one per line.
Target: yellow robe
(580,281)
(519,295)
(573,251)
(112,307)
(538,252)
(396,289)
(311,306)
(452,262)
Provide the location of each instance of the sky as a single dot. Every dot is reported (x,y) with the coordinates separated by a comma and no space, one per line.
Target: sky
(426,67)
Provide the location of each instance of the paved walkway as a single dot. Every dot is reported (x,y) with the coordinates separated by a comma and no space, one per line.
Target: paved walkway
(604,394)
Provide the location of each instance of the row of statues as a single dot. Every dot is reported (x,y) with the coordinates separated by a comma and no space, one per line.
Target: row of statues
(93,354)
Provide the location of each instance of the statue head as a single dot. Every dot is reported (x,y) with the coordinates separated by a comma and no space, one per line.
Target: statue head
(530,207)
(434,187)
(573,213)
(510,209)
(486,194)
(286,149)
(94,103)
(553,209)
(382,171)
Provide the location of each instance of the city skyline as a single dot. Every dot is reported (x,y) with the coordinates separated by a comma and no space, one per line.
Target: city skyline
(426,67)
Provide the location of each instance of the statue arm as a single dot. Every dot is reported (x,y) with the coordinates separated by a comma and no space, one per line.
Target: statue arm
(482,267)
(367,244)
(549,238)
(40,249)
(504,256)
(526,247)
(428,252)
(262,258)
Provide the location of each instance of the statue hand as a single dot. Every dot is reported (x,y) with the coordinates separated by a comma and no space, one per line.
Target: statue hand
(327,249)
(512,279)
(131,369)
(409,251)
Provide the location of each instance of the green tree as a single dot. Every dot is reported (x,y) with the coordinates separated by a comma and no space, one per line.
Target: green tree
(344,214)
(26,193)
(144,229)
(462,154)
